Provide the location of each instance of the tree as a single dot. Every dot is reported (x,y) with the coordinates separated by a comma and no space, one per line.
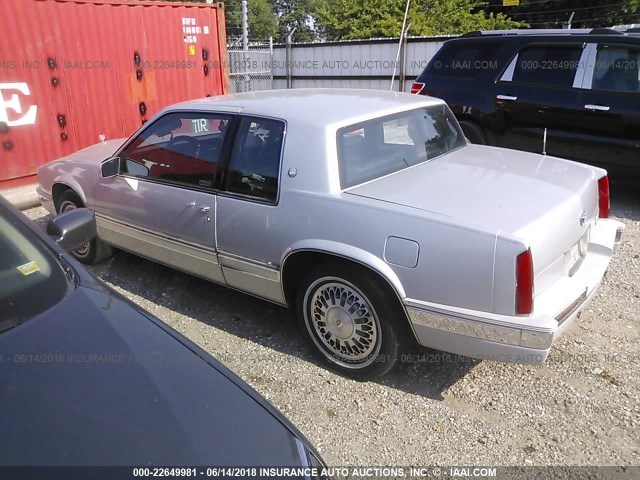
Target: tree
(449,17)
(353,19)
(588,13)
(261,17)
(298,15)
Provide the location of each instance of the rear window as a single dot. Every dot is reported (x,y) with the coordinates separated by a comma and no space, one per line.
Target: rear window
(464,60)
(385,145)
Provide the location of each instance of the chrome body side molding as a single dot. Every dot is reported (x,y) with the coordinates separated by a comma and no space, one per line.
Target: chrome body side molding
(234,271)
(173,252)
(252,277)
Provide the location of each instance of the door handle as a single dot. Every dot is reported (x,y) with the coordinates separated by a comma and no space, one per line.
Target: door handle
(205,209)
(191,204)
(600,108)
(507,97)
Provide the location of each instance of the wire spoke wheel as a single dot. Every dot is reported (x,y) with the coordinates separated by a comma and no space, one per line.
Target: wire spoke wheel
(350,317)
(342,322)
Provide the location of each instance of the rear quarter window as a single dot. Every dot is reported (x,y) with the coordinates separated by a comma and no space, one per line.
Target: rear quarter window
(464,60)
(617,69)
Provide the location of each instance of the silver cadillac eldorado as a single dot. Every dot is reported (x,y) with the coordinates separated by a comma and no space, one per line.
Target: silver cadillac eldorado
(365,211)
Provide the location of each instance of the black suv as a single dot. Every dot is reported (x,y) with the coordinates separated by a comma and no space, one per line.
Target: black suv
(578,89)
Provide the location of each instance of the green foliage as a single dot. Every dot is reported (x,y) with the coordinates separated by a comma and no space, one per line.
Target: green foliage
(261,17)
(353,19)
(360,19)
(448,17)
(298,15)
(350,19)
(588,13)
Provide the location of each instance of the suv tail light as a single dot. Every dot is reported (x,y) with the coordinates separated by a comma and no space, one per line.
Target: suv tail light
(603,197)
(417,87)
(524,283)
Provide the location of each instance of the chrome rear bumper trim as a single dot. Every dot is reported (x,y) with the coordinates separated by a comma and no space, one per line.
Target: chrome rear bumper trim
(481,330)
(567,312)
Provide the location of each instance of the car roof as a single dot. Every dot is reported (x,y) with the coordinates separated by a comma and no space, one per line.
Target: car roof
(320,106)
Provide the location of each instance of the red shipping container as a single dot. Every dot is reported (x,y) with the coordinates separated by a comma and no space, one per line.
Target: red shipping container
(75,71)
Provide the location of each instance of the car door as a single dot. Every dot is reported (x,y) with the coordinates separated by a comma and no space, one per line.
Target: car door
(248,218)
(162,203)
(609,124)
(537,92)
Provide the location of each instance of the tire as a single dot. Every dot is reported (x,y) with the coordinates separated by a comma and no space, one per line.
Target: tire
(91,252)
(322,295)
(473,132)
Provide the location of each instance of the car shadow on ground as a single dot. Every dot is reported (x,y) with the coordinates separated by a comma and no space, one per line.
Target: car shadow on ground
(625,201)
(421,371)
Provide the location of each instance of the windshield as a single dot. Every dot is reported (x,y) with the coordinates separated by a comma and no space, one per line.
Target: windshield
(385,145)
(31,280)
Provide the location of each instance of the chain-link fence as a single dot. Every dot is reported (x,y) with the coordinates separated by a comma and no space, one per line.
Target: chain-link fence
(250,69)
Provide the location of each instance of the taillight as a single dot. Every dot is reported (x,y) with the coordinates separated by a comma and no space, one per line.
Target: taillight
(524,282)
(417,87)
(603,197)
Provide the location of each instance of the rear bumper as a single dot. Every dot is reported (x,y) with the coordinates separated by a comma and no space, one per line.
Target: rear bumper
(520,339)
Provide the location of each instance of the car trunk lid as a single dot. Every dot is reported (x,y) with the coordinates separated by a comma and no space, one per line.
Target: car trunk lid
(546,202)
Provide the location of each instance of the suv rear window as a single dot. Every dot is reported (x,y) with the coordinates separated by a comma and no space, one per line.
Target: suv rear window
(464,60)
(547,65)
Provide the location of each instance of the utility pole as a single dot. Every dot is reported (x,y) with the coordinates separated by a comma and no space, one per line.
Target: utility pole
(567,24)
(403,61)
(289,54)
(402,33)
(245,27)
(245,44)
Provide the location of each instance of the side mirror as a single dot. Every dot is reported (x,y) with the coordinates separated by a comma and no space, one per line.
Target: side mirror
(73,229)
(110,167)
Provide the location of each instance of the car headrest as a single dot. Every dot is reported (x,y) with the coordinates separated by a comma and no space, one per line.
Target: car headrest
(167,125)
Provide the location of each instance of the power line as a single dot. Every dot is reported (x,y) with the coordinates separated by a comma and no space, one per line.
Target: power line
(569,10)
(529,3)
(629,16)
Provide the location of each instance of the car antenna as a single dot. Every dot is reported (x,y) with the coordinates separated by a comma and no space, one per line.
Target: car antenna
(544,142)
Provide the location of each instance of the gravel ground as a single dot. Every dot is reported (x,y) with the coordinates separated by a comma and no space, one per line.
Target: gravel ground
(581,408)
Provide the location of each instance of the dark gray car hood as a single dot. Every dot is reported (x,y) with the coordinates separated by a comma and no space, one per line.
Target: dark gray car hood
(96,382)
